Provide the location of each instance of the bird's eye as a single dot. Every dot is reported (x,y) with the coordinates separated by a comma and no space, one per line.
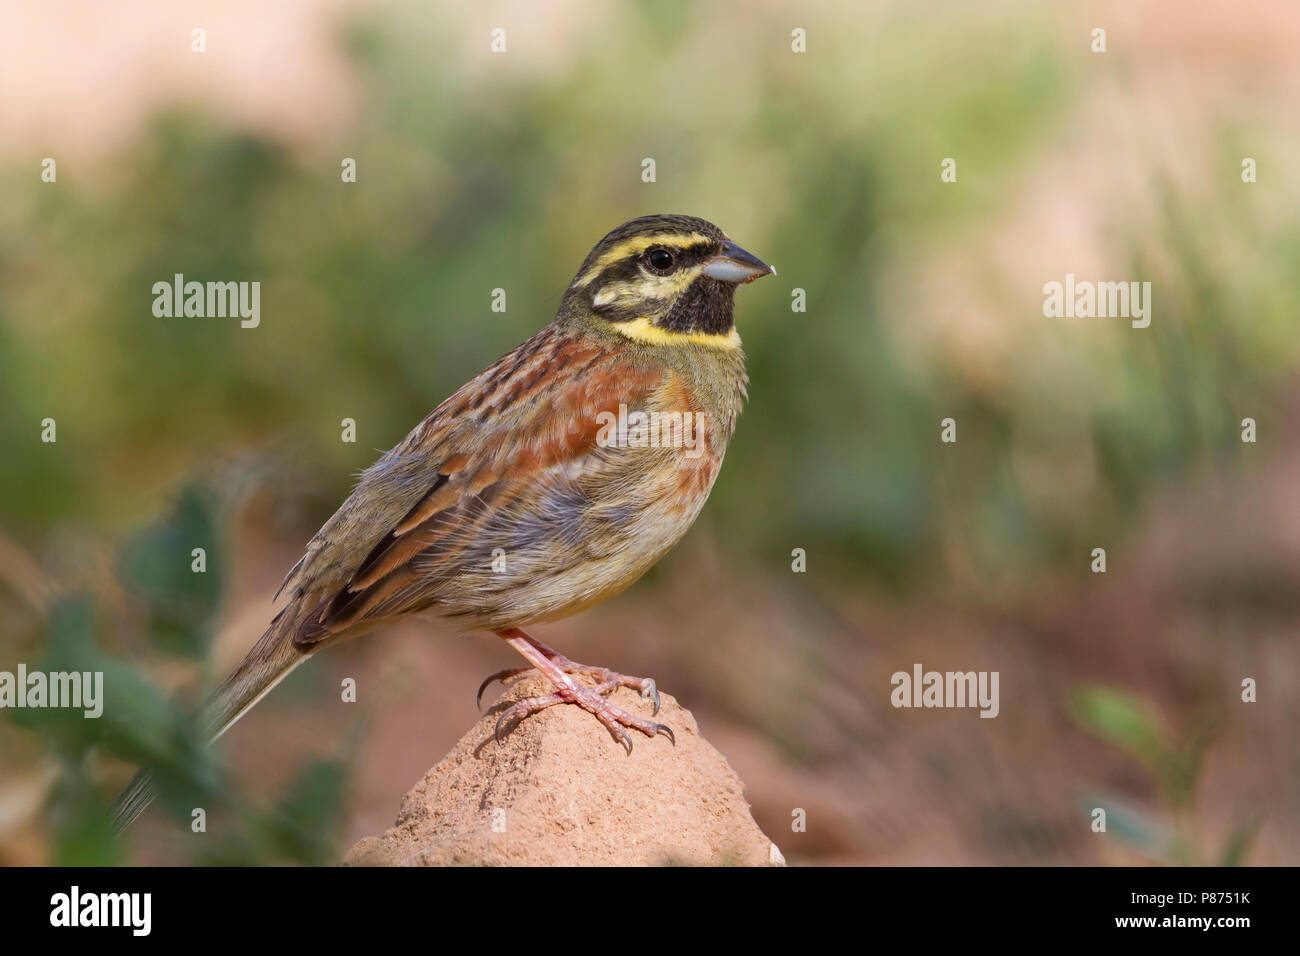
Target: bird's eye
(661,260)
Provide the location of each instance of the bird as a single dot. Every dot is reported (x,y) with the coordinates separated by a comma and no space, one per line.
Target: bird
(546,484)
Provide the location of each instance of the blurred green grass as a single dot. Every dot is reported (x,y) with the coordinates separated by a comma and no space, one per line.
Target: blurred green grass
(376,295)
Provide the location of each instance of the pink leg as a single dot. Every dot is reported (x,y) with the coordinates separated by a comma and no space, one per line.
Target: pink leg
(645,686)
(558,669)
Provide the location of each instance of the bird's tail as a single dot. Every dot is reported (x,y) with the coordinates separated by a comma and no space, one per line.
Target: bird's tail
(269,662)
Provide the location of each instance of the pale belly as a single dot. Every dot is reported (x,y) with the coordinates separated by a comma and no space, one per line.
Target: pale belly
(581,562)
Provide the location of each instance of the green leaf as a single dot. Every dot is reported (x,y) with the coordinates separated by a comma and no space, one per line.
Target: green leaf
(158,563)
(1238,844)
(307,820)
(83,834)
(136,721)
(1122,720)
(1136,828)
(301,828)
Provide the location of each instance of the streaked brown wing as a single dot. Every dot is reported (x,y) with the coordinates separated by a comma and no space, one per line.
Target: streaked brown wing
(496,459)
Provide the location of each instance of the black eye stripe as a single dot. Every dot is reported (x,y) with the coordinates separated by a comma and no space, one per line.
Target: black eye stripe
(627,270)
(631,267)
(682,255)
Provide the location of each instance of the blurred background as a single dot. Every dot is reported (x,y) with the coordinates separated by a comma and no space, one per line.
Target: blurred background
(479,170)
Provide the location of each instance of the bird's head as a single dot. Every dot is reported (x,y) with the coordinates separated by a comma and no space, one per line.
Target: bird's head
(665,280)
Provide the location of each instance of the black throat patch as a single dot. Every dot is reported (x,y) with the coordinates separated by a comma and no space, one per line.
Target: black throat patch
(706,306)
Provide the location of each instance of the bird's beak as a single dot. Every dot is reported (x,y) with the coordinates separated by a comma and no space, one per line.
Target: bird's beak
(734,264)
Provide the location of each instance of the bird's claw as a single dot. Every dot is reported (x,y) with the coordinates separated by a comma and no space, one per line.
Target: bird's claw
(604,677)
(593,700)
(502,676)
(650,691)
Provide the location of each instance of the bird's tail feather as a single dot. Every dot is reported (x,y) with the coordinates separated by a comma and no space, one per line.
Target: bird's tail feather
(271,660)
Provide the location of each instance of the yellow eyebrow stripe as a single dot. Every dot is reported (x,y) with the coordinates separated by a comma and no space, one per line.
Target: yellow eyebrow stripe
(637,245)
(643,330)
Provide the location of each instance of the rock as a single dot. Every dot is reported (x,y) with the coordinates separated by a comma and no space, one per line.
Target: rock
(558,791)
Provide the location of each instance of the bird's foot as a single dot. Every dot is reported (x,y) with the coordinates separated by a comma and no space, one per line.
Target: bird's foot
(560,671)
(593,701)
(603,677)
